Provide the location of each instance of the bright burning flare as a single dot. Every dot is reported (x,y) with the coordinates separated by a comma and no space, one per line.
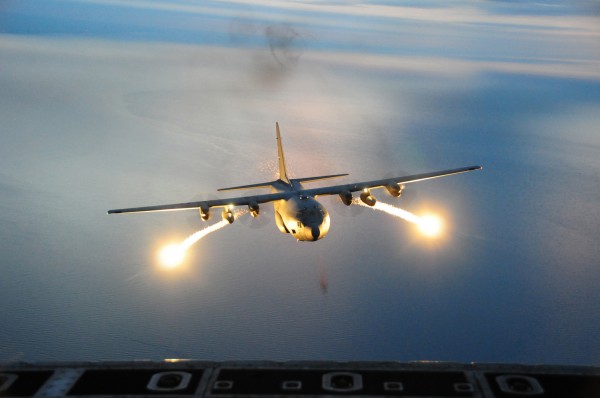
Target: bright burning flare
(172,255)
(429,225)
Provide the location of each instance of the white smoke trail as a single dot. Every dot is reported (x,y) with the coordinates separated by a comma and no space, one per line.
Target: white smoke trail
(173,255)
(196,236)
(429,225)
(389,209)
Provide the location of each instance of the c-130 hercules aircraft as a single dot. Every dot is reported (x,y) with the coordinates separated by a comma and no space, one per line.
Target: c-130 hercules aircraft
(297,212)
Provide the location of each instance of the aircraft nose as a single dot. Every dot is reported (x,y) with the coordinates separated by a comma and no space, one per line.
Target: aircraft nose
(316,232)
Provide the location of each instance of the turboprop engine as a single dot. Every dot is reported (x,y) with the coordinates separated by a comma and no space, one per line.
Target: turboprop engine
(254,209)
(368,198)
(395,189)
(346,198)
(227,214)
(204,214)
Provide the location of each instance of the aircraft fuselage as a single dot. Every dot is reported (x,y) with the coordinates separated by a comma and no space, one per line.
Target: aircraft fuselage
(301,215)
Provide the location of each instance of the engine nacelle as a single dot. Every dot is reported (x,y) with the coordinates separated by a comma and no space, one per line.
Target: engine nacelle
(368,198)
(395,189)
(346,198)
(254,209)
(227,214)
(204,213)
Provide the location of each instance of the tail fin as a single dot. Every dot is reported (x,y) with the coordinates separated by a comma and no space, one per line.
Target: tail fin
(282,171)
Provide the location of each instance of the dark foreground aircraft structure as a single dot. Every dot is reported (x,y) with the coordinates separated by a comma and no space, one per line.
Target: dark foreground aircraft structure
(183,378)
(297,212)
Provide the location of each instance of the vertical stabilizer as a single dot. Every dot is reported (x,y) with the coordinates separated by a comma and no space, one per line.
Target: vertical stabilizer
(282,171)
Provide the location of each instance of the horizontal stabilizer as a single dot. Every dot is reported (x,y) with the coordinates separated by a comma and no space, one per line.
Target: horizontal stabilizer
(259,185)
(306,179)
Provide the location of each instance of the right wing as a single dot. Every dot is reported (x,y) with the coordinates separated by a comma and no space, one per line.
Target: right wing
(359,186)
(207,204)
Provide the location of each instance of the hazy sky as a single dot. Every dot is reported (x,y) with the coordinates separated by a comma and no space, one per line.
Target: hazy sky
(110,104)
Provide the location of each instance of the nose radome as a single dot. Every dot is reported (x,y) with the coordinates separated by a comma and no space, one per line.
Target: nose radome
(316,232)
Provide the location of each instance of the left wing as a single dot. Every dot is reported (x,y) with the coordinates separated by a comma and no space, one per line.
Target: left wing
(387,182)
(207,204)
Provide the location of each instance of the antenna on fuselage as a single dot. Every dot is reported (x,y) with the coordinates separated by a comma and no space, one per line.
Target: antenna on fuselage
(282,170)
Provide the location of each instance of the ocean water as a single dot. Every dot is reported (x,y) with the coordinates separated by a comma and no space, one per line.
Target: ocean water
(94,123)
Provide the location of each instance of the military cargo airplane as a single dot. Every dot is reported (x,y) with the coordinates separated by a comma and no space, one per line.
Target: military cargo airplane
(297,212)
